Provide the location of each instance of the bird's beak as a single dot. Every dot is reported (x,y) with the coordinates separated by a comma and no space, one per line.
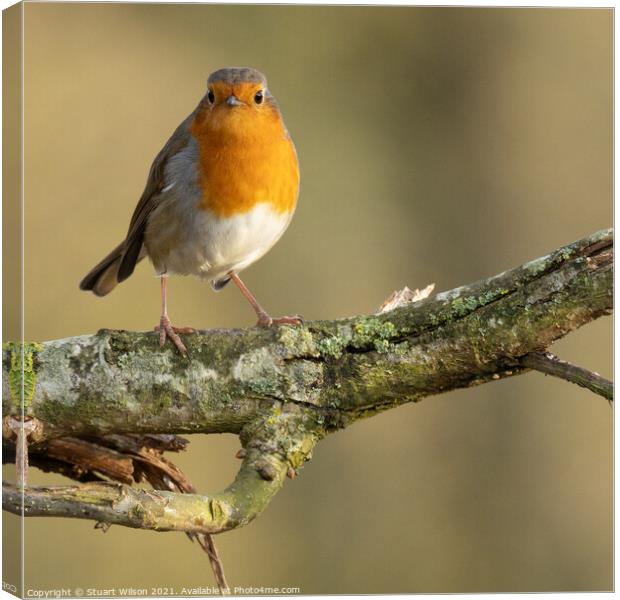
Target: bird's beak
(233,101)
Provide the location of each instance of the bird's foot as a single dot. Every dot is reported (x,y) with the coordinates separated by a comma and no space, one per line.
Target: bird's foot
(166,329)
(264,320)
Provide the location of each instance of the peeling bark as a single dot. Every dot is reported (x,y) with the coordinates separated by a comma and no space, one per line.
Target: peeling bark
(283,389)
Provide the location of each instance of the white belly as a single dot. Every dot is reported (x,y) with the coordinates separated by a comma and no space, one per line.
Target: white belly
(210,246)
(181,238)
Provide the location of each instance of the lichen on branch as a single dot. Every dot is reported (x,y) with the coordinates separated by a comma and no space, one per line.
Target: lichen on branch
(283,389)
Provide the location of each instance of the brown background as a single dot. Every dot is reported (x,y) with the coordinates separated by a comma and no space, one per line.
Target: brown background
(438,145)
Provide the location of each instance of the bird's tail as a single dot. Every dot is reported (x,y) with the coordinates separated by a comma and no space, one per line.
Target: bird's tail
(103,278)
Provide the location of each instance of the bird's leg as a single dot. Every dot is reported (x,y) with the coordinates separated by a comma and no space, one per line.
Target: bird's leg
(264,320)
(165,328)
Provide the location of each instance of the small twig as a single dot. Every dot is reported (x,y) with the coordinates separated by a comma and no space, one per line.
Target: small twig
(547,363)
(22,428)
(21,453)
(291,386)
(207,543)
(120,457)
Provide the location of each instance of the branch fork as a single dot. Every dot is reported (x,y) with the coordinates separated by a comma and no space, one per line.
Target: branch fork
(283,389)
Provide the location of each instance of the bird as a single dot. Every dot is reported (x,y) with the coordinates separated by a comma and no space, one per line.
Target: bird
(218,196)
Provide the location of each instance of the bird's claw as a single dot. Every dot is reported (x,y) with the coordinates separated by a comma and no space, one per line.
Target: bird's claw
(166,329)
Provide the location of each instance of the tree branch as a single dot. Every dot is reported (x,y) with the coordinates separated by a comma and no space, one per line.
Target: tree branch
(283,389)
(261,475)
(547,363)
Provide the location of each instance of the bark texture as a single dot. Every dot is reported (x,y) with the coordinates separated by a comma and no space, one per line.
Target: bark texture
(285,388)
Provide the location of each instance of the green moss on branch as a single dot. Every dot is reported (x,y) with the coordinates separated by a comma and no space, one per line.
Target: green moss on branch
(283,389)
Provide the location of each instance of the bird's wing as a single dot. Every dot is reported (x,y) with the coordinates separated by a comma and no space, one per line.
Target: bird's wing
(150,198)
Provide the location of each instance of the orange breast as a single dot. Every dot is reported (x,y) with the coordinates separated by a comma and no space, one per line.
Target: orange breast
(246,157)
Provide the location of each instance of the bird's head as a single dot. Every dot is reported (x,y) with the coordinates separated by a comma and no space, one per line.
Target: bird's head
(238,102)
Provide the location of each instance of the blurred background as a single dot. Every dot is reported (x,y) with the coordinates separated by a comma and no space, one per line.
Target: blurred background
(436,145)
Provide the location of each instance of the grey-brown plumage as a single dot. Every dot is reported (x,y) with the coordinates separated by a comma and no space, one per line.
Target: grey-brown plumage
(235,75)
(219,195)
(121,262)
(103,277)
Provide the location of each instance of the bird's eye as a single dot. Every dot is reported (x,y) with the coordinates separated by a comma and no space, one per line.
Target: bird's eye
(258,97)
(211,96)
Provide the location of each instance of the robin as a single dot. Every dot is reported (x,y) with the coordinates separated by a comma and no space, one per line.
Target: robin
(219,195)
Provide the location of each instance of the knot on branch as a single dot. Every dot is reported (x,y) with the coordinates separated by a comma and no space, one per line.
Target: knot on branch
(283,389)
(281,440)
(275,445)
